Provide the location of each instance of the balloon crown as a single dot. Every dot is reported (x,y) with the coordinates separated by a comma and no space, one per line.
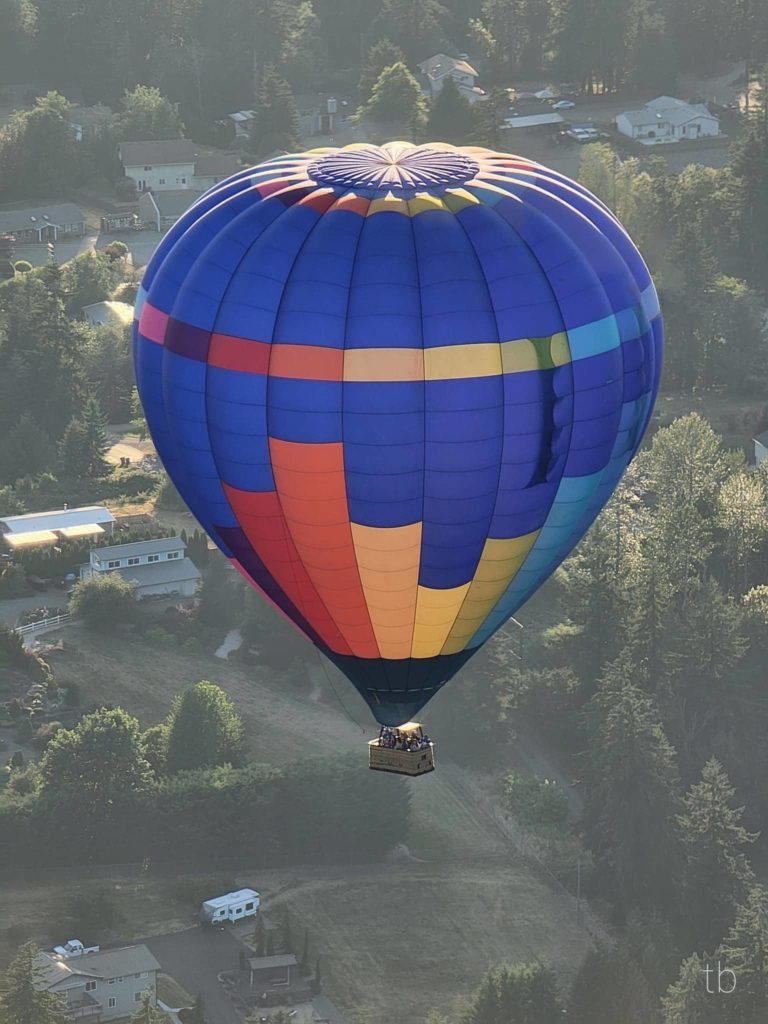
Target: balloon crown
(398,167)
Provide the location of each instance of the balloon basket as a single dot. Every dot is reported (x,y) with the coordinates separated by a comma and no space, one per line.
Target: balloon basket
(383,758)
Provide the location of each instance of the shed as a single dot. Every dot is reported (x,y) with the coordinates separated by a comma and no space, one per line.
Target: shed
(271,971)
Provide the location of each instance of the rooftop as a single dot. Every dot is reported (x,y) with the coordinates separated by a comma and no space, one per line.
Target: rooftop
(141,547)
(209,165)
(59,519)
(172,202)
(667,109)
(266,963)
(39,216)
(157,151)
(109,312)
(178,570)
(441,64)
(109,963)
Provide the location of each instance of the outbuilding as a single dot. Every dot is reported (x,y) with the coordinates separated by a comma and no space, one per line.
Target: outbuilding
(268,972)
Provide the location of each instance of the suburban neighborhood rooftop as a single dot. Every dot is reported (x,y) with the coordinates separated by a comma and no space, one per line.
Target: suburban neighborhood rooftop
(140,547)
(60,519)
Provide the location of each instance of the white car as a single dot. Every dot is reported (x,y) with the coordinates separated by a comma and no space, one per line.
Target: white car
(563,105)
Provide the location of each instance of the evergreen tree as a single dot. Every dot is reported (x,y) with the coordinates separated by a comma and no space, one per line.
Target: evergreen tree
(450,119)
(487,116)
(148,1013)
(95,439)
(517,994)
(204,730)
(717,874)
(286,935)
(383,54)
(396,99)
(610,987)
(687,1000)
(744,951)
(634,793)
(26,450)
(276,125)
(24,998)
(259,936)
(73,458)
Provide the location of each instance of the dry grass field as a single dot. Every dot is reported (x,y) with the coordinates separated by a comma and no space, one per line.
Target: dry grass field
(425,925)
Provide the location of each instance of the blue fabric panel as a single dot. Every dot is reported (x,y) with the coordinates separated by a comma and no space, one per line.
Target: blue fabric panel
(383,430)
(304,410)
(237,425)
(384,302)
(521,295)
(313,309)
(456,306)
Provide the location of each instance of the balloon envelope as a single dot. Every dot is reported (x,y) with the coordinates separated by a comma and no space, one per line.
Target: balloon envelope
(396,385)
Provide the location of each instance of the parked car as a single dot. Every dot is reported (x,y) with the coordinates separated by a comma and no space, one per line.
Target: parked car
(563,105)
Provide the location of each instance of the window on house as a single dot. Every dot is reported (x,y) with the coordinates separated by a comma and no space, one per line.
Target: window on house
(147,167)
(153,558)
(161,181)
(111,981)
(173,554)
(120,978)
(137,997)
(114,563)
(183,181)
(90,986)
(112,1002)
(133,561)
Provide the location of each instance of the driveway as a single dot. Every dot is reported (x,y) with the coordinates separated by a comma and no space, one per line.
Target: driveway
(195,958)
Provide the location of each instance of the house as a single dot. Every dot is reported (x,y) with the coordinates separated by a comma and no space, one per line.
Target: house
(761,447)
(157,567)
(46,529)
(318,114)
(242,120)
(101,986)
(162,209)
(90,122)
(159,164)
(212,167)
(43,223)
(112,314)
(434,71)
(270,972)
(172,164)
(667,119)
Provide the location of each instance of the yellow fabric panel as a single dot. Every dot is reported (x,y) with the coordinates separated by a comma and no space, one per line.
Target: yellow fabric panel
(388,562)
(519,356)
(423,201)
(388,204)
(559,349)
(436,611)
(496,569)
(458,199)
(453,362)
(373,364)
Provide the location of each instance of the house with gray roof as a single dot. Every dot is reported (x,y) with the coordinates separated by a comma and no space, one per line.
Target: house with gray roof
(100,986)
(434,71)
(158,568)
(667,119)
(159,210)
(166,165)
(43,223)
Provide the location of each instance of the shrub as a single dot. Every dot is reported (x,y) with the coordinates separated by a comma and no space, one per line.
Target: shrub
(22,266)
(534,801)
(13,582)
(104,600)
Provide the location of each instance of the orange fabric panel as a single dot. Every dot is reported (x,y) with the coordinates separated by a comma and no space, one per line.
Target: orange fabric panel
(386,364)
(261,520)
(306,362)
(312,489)
(389,570)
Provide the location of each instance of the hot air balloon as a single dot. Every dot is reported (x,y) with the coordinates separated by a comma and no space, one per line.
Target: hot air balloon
(396,385)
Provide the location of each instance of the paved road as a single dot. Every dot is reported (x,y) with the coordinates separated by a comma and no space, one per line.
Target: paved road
(195,958)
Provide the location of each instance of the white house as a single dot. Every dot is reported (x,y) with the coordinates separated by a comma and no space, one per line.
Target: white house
(435,70)
(100,986)
(113,314)
(761,447)
(157,567)
(667,119)
(46,529)
(162,209)
(166,164)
